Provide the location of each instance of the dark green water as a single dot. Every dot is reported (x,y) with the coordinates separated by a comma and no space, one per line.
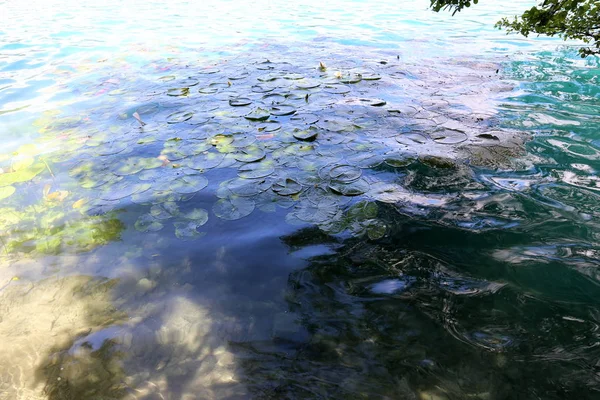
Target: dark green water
(318,201)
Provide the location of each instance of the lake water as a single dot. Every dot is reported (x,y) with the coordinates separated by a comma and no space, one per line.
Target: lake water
(273,200)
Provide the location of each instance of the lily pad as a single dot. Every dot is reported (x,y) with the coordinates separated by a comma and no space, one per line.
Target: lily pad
(287,187)
(21,163)
(165,210)
(317,213)
(177,92)
(258,114)
(250,154)
(147,223)
(233,208)
(345,173)
(109,149)
(307,83)
(179,116)
(409,139)
(268,126)
(246,187)
(189,184)
(282,110)
(337,89)
(23,175)
(294,77)
(256,170)
(188,230)
(376,229)
(373,102)
(448,136)
(123,189)
(208,70)
(307,135)
(350,78)
(204,161)
(268,77)
(355,188)
(6,192)
(307,119)
(198,215)
(262,88)
(133,165)
(240,102)
(274,99)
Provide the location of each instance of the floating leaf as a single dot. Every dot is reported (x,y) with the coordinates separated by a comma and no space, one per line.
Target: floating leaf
(209,70)
(111,148)
(350,78)
(409,139)
(363,210)
(274,99)
(370,76)
(179,116)
(355,188)
(198,215)
(6,192)
(262,88)
(307,135)
(286,187)
(283,110)
(448,136)
(250,154)
(256,170)
(241,141)
(147,223)
(293,76)
(188,82)
(373,102)
(345,173)
(233,208)
(246,187)
(189,184)
(337,124)
(268,77)
(122,190)
(307,83)
(268,126)
(188,230)
(176,92)
(165,210)
(79,203)
(22,163)
(133,165)
(317,213)
(240,102)
(258,114)
(23,175)
(376,229)
(205,161)
(307,119)
(57,196)
(337,89)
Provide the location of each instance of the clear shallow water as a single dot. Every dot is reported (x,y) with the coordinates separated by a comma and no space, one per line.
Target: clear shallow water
(266,265)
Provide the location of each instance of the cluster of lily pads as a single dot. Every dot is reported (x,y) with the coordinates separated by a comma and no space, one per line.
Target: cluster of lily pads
(322,143)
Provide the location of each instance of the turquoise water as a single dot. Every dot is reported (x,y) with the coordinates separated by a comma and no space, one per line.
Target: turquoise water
(221,200)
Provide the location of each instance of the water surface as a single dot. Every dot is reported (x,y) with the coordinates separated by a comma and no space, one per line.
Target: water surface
(265,200)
